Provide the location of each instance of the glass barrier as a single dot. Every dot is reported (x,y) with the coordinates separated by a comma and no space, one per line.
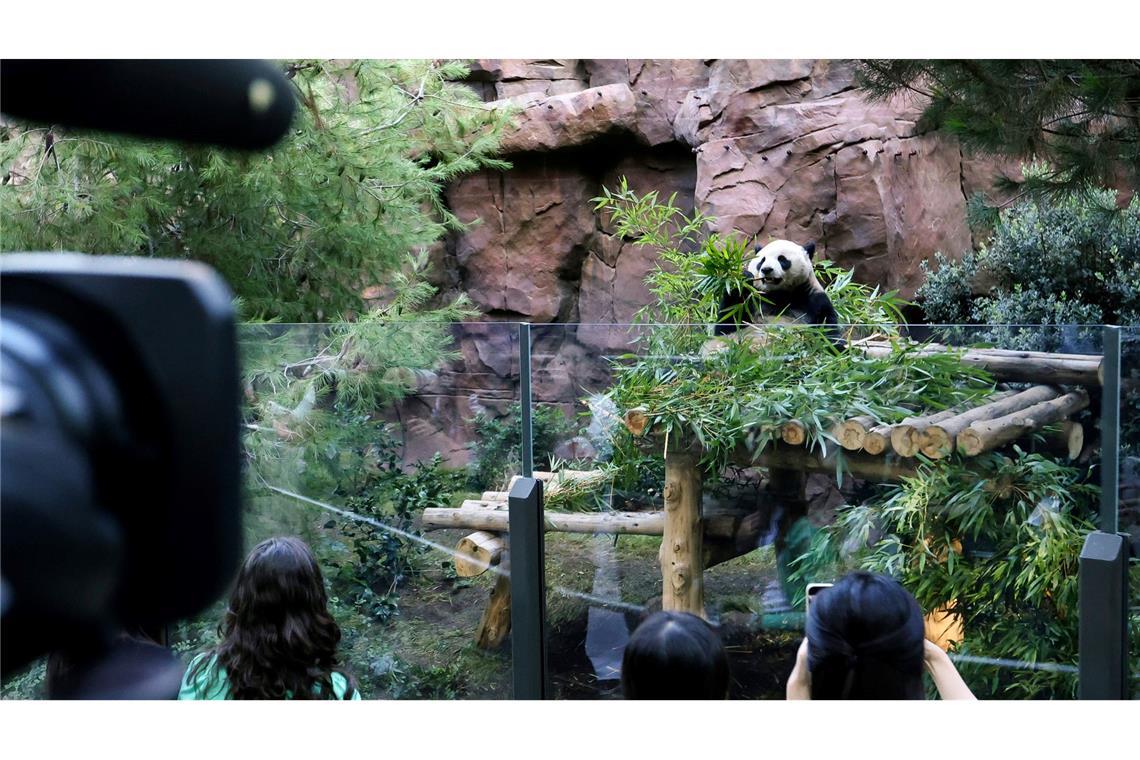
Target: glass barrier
(906,454)
(359,439)
(1129,516)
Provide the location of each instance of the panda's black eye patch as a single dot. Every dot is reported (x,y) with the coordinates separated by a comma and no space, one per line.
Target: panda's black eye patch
(784,262)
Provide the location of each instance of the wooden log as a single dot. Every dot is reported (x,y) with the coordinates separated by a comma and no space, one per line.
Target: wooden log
(495,496)
(877,440)
(851,433)
(482,504)
(1069,439)
(744,538)
(477,553)
(682,546)
(498,521)
(938,440)
(1016,366)
(793,433)
(496,621)
(906,436)
(859,465)
(989,434)
(636,420)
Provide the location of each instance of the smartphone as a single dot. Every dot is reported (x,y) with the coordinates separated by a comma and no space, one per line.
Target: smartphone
(812,590)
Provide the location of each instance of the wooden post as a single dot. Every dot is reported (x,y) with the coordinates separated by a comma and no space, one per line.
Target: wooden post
(682,550)
(496,622)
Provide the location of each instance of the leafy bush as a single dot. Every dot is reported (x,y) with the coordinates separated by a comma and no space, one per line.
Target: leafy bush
(498,440)
(1072,260)
(995,540)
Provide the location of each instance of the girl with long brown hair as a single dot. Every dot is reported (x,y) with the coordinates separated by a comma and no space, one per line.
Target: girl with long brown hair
(278,639)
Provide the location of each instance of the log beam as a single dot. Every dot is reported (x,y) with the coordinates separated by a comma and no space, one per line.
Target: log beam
(496,621)
(987,435)
(938,440)
(682,551)
(477,553)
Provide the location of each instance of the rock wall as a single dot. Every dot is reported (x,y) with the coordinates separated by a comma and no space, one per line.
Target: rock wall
(771,148)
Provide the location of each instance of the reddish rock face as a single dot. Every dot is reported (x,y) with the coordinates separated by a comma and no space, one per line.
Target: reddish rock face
(530,230)
(562,121)
(771,148)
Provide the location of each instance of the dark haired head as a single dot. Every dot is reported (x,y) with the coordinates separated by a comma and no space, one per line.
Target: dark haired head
(865,640)
(278,639)
(674,655)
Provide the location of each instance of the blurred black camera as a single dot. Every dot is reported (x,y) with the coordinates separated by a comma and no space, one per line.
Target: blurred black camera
(119,390)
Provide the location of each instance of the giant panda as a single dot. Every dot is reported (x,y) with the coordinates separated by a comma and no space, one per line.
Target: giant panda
(783,288)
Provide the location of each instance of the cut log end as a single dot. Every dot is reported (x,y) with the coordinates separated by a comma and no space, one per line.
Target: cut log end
(852,433)
(936,443)
(876,441)
(904,440)
(793,433)
(477,553)
(636,420)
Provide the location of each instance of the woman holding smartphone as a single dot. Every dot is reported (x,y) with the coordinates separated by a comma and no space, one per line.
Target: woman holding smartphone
(865,639)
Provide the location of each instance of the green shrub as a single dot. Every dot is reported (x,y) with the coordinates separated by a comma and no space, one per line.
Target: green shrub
(1072,260)
(498,441)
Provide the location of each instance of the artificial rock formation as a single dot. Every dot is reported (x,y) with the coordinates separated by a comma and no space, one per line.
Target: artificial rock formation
(771,148)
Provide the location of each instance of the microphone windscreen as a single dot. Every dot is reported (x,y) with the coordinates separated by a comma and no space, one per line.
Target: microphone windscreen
(246,104)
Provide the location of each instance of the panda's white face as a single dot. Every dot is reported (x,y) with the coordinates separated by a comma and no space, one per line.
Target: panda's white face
(780,265)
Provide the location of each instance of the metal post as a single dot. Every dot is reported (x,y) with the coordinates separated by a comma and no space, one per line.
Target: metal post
(525,401)
(528,589)
(1110,432)
(1103,640)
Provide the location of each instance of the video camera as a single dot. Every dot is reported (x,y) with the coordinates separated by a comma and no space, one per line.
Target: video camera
(119,389)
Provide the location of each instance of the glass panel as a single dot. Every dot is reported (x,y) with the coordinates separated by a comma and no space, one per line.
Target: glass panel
(1130,480)
(354,434)
(984,527)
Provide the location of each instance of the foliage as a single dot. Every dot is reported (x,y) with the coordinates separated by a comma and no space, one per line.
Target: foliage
(1081,117)
(1050,262)
(745,392)
(498,440)
(993,539)
(300,231)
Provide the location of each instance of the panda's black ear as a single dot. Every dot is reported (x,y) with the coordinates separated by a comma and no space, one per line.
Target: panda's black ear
(810,248)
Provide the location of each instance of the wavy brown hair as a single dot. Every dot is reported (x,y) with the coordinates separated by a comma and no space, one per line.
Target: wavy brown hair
(278,639)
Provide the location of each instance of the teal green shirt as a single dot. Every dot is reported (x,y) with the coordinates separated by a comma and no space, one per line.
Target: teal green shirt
(210,683)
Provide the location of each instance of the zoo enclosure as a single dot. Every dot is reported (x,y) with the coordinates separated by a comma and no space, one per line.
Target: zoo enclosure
(547,367)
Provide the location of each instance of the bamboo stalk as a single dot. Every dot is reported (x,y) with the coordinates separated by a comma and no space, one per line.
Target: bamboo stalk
(986,435)
(938,440)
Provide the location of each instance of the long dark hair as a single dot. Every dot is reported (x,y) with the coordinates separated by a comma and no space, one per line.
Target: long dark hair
(278,639)
(865,637)
(674,655)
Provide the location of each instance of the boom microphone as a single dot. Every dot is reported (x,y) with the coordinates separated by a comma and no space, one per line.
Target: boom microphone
(235,104)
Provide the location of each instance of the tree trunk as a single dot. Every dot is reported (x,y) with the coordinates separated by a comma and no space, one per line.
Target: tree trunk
(938,440)
(682,552)
(986,435)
